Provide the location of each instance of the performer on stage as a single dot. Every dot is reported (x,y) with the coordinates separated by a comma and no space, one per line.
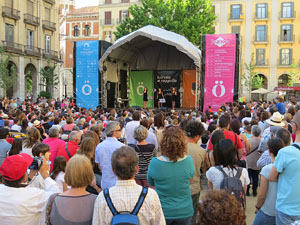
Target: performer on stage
(174,96)
(145,98)
(160,98)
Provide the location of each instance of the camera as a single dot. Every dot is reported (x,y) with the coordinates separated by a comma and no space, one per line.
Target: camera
(36,163)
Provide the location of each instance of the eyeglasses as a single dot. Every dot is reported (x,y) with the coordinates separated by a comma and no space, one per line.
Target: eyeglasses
(118,130)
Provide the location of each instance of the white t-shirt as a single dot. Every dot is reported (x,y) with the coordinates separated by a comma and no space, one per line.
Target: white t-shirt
(216,177)
(60,179)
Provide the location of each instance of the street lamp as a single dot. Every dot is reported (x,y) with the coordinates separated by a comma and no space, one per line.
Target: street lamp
(65,83)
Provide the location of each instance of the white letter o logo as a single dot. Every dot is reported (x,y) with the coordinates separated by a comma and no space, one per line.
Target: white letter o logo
(86,86)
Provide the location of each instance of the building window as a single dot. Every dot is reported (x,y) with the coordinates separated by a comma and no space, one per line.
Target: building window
(124,1)
(236,11)
(286,33)
(47,44)
(260,56)
(235,29)
(87,30)
(107,1)
(261,33)
(76,31)
(48,14)
(30,36)
(107,20)
(123,14)
(287,10)
(286,56)
(261,11)
(9,32)
(30,8)
(107,36)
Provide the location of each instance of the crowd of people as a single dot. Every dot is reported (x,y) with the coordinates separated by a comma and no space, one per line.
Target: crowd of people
(60,164)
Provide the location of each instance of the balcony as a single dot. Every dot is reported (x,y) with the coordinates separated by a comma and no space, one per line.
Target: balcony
(282,63)
(233,18)
(49,25)
(286,39)
(256,18)
(12,47)
(33,51)
(50,54)
(110,22)
(10,13)
(258,41)
(32,20)
(52,2)
(262,64)
(287,16)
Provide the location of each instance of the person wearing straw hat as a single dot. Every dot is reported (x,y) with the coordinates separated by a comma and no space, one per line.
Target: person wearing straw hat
(275,123)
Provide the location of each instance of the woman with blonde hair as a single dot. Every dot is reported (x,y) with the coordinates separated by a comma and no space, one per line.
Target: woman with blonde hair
(171,174)
(76,205)
(33,137)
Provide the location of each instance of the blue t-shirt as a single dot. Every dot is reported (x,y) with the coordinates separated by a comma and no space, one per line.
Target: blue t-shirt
(281,107)
(287,164)
(172,184)
(269,205)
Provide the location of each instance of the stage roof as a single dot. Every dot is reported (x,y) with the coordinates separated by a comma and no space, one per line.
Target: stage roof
(153,48)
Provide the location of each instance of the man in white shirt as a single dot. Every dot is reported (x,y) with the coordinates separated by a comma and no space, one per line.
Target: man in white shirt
(125,194)
(16,126)
(20,204)
(130,127)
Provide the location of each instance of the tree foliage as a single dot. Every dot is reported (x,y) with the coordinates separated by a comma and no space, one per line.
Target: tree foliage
(190,18)
(249,76)
(294,75)
(8,74)
(49,78)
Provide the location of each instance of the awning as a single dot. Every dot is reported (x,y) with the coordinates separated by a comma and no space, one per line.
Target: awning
(153,48)
(287,89)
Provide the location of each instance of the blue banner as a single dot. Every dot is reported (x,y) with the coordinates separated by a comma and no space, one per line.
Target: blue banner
(87,80)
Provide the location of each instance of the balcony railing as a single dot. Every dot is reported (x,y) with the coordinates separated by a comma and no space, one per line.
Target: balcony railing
(49,25)
(30,19)
(12,47)
(236,18)
(50,54)
(31,50)
(10,13)
(259,41)
(110,22)
(52,2)
(263,64)
(286,39)
(282,63)
(291,16)
(256,18)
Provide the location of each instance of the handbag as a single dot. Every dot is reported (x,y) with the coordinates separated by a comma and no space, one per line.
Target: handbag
(49,208)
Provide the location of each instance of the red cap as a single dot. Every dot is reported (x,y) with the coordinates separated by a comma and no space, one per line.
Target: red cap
(15,166)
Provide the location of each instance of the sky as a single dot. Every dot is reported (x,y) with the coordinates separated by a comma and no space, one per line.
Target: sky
(83,3)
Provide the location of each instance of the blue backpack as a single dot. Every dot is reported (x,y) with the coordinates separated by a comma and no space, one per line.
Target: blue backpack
(125,217)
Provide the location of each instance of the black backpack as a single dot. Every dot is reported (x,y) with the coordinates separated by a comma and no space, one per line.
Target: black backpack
(125,218)
(234,185)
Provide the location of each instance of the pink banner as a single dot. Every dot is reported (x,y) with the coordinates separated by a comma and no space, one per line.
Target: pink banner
(219,70)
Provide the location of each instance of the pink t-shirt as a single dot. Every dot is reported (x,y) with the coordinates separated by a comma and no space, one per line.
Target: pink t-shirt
(54,144)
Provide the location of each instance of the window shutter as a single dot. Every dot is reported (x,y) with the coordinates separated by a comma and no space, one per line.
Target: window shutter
(290,56)
(255,33)
(292,26)
(231,8)
(257,56)
(266,32)
(256,10)
(292,13)
(120,16)
(267,16)
(281,32)
(241,11)
(280,57)
(281,9)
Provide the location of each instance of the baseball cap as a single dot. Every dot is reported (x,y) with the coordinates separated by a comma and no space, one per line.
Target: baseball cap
(15,166)
(296,119)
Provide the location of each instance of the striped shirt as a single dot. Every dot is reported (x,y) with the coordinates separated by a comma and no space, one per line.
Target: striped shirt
(145,153)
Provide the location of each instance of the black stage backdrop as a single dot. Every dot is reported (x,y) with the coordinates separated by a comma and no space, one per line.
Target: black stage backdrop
(166,80)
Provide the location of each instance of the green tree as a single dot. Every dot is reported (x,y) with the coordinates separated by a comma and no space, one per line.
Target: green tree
(250,76)
(49,78)
(8,74)
(294,75)
(257,82)
(190,18)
